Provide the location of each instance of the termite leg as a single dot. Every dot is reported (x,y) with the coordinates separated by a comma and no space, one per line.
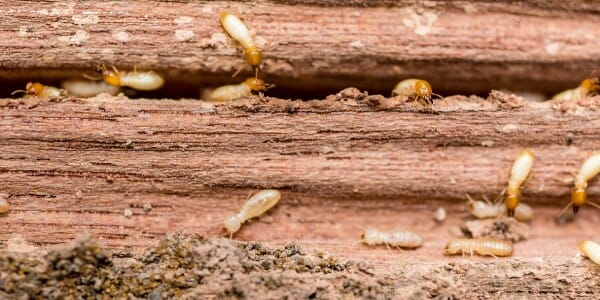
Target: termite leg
(18,91)
(510,213)
(501,213)
(115,69)
(261,96)
(90,77)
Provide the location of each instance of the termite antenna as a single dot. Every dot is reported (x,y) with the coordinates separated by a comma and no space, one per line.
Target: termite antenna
(101,68)
(485,198)
(18,91)
(437,95)
(360,227)
(115,69)
(242,67)
(469,198)
(269,86)
(562,212)
(497,200)
(596,205)
(90,77)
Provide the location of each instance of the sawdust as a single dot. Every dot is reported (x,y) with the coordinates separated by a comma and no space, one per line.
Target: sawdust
(353,99)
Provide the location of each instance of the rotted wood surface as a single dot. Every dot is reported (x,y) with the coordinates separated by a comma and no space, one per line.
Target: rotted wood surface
(469,46)
(343,164)
(83,162)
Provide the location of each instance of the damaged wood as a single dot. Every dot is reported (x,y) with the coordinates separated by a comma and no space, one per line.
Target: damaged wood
(458,46)
(77,164)
(130,171)
(189,267)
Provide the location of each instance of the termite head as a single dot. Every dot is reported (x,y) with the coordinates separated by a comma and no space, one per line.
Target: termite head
(423,90)
(253,56)
(595,84)
(476,206)
(232,224)
(452,248)
(590,84)
(257,84)
(578,197)
(223,15)
(511,201)
(369,235)
(32,88)
(111,77)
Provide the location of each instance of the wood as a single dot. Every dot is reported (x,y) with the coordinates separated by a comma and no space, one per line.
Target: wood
(200,160)
(130,171)
(460,47)
(76,165)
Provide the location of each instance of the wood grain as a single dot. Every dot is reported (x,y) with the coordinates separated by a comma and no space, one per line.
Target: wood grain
(461,46)
(76,164)
(343,164)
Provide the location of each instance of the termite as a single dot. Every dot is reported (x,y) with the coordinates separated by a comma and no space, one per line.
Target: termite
(87,88)
(36,89)
(418,88)
(143,81)
(481,246)
(4,206)
(585,88)
(397,238)
(590,168)
(254,207)
(486,209)
(519,173)
(591,250)
(237,30)
(235,91)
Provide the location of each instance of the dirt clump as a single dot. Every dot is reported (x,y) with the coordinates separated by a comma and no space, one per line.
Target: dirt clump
(187,267)
(502,228)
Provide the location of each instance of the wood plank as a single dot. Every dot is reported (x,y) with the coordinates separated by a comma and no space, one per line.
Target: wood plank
(462,46)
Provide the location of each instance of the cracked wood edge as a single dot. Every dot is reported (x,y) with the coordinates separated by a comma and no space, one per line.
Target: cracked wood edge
(72,164)
(343,164)
(374,47)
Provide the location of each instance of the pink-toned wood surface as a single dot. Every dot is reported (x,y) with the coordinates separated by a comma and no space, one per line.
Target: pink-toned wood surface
(77,165)
(460,46)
